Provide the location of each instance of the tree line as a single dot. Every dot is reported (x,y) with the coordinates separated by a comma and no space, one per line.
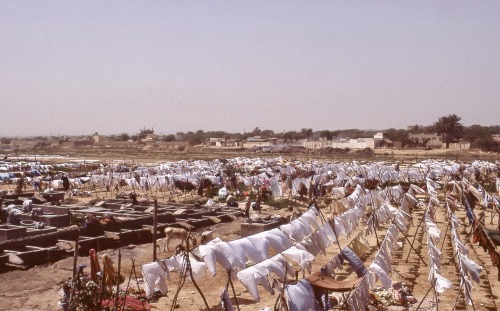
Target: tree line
(450,127)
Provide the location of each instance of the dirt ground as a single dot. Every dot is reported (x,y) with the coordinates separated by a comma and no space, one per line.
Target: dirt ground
(148,154)
(39,288)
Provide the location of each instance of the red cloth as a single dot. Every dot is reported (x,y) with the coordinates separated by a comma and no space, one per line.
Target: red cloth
(94,265)
(131,303)
(476,235)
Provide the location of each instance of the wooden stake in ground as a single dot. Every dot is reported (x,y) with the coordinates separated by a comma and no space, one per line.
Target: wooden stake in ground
(415,236)
(155,224)
(102,283)
(75,254)
(117,298)
(230,282)
(185,269)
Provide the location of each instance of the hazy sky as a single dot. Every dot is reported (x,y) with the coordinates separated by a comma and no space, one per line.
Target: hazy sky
(76,67)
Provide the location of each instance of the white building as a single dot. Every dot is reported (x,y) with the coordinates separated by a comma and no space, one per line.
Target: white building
(257,141)
(352,143)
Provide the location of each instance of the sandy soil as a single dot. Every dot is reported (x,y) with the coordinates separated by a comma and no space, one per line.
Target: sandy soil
(38,288)
(148,154)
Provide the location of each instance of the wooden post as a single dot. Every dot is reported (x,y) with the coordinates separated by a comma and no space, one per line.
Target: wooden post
(103,285)
(75,255)
(127,288)
(155,224)
(422,300)
(232,287)
(411,245)
(117,299)
(445,232)
(74,280)
(415,236)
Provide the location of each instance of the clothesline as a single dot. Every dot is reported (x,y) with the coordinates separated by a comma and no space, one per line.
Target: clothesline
(381,266)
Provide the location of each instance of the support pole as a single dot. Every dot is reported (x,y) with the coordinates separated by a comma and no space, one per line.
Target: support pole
(185,269)
(232,287)
(415,236)
(128,286)
(408,240)
(444,236)
(422,300)
(102,283)
(75,261)
(75,255)
(117,280)
(155,224)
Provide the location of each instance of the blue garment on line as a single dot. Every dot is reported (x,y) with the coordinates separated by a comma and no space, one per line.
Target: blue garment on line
(300,297)
(353,260)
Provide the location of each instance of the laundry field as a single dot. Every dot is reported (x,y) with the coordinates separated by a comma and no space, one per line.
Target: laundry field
(394,231)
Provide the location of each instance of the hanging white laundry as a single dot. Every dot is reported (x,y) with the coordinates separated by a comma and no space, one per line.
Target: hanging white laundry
(472,268)
(300,257)
(273,241)
(322,235)
(328,231)
(306,228)
(198,268)
(244,248)
(310,246)
(253,276)
(283,263)
(310,218)
(458,245)
(260,243)
(272,266)
(154,276)
(442,284)
(376,269)
(277,233)
(299,228)
(229,254)
(467,287)
(289,230)
(212,253)
(339,226)
(432,230)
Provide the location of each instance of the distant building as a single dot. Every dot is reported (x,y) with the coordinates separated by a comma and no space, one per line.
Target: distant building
(434,140)
(150,137)
(377,141)
(233,143)
(381,140)
(257,141)
(147,135)
(97,138)
(216,142)
(25,144)
(223,142)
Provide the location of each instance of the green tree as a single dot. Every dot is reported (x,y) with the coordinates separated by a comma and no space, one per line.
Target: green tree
(415,129)
(168,138)
(180,136)
(397,135)
(256,131)
(267,133)
(124,136)
(326,134)
(306,132)
(481,137)
(291,136)
(450,127)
